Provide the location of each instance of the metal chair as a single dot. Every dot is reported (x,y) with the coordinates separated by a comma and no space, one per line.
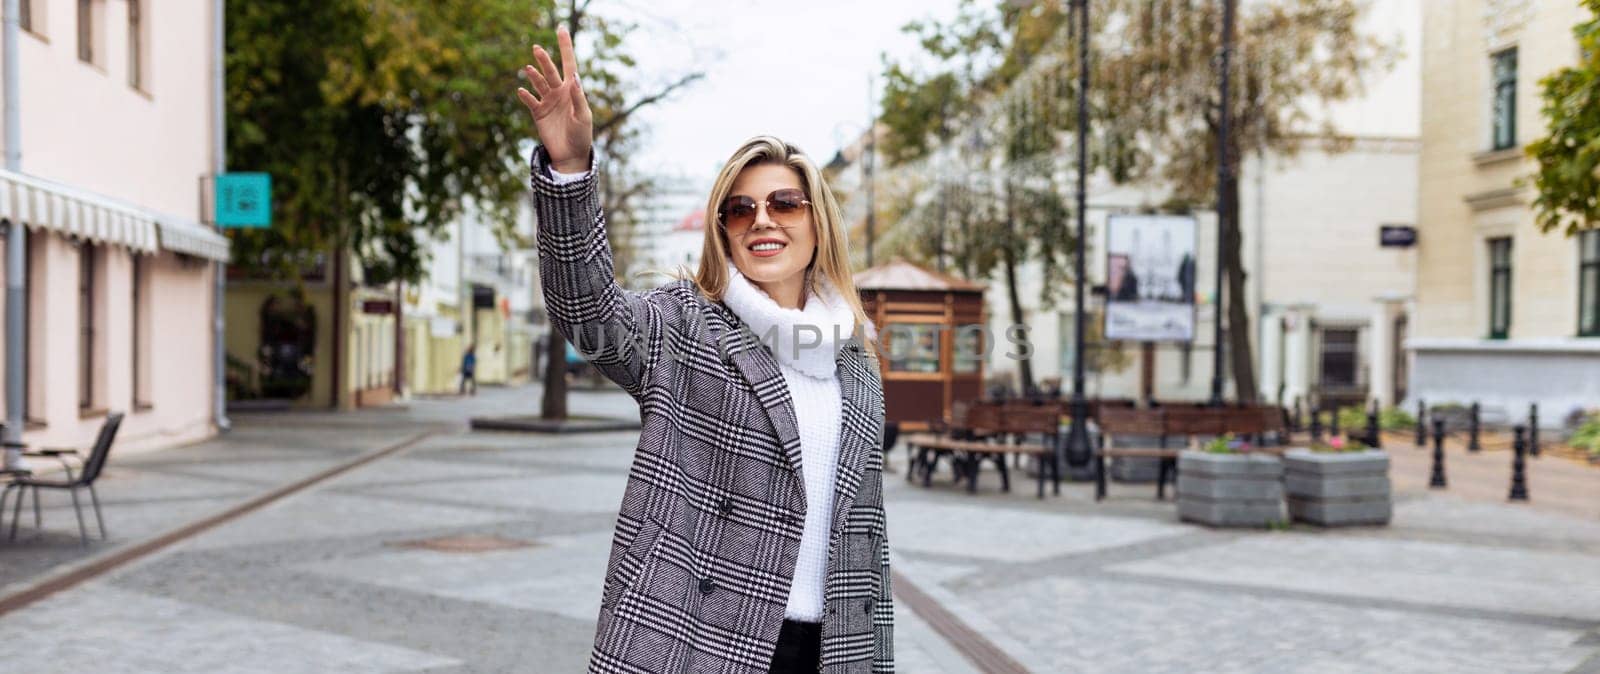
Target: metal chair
(85,479)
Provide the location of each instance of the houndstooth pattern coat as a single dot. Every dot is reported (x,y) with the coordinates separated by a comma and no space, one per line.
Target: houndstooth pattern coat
(709,529)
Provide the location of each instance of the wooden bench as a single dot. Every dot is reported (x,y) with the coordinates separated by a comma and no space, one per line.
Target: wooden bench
(1189,423)
(980,433)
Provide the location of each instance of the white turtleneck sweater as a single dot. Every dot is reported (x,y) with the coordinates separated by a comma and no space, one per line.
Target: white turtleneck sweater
(807,362)
(806,358)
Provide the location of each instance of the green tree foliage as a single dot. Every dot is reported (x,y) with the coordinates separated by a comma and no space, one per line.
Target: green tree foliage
(1292,59)
(380,120)
(987,127)
(1568,176)
(1153,98)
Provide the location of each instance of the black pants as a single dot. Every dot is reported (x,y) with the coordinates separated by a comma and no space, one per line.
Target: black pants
(799,648)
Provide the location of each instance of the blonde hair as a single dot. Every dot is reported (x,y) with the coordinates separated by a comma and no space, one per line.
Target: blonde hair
(832,257)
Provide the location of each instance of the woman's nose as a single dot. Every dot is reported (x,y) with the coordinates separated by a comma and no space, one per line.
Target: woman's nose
(761,217)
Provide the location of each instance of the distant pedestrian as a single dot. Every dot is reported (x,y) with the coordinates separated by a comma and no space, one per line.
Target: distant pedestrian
(751,536)
(469,369)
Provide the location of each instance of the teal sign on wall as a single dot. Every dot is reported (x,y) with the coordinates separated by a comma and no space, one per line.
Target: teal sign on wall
(244,200)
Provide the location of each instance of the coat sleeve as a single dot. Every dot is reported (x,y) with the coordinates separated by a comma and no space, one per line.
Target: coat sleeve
(883,617)
(619,331)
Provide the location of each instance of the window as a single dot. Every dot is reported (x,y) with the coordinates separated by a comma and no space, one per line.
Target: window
(33,402)
(86,364)
(1499,287)
(1589,283)
(1505,99)
(913,347)
(1340,348)
(141,332)
(968,348)
(86,31)
(136,44)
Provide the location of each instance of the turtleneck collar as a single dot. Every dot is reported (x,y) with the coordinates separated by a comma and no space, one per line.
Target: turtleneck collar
(805,339)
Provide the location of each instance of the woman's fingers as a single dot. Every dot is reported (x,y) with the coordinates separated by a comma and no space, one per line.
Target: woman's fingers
(547,67)
(569,62)
(535,80)
(528,100)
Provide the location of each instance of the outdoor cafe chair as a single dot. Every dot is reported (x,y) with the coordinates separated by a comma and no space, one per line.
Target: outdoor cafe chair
(85,479)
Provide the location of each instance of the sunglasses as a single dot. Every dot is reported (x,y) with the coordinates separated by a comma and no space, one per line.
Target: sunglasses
(738,213)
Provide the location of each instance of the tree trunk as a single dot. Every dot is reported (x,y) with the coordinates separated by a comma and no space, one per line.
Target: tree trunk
(1025,363)
(555,377)
(1239,353)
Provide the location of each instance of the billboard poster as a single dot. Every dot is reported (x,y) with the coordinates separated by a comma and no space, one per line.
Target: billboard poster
(1150,278)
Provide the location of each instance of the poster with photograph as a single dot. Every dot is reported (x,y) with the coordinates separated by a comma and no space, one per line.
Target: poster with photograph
(1150,278)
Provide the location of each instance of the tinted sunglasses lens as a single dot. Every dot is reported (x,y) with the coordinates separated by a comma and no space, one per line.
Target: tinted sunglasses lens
(786,201)
(738,212)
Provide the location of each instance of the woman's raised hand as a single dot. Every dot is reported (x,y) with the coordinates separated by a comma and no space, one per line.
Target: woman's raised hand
(560,112)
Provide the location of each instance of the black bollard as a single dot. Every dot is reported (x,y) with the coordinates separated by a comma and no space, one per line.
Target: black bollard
(1519,475)
(1533,429)
(1316,424)
(1422,424)
(1333,422)
(1295,425)
(1472,429)
(1373,440)
(1436,479)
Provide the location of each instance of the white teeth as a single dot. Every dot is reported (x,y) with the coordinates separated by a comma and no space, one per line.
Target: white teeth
(766,246)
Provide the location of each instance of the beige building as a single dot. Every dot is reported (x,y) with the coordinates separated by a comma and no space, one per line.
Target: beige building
(1506,315)
(115,135)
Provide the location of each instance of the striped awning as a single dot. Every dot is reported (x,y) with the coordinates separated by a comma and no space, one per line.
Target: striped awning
(192,238)
(42,204)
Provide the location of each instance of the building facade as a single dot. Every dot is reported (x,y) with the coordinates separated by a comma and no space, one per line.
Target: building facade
(114,101)
(1507,316)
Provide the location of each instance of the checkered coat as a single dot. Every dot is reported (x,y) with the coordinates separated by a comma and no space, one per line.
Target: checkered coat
(709,530)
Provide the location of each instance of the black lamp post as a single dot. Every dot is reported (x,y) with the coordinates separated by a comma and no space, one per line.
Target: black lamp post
(1224,201)
(1078,450)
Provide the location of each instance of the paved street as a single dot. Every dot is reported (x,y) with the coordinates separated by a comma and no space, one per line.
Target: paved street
(476,552)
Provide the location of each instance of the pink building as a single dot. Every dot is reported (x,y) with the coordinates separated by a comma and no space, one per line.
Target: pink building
(115,99)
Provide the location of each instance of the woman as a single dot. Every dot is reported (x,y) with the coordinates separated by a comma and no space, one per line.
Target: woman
(751,536)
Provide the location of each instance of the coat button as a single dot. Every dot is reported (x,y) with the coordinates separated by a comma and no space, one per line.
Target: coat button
(866,607)
(707,586)
(726,506)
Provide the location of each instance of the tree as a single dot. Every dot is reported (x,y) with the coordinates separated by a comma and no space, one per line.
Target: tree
(379,120)
(1568,174)
(613,103)
(997,175)
(1159,75)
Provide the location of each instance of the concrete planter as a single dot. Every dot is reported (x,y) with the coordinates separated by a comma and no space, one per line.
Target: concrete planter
(1230,490)
(1338,488)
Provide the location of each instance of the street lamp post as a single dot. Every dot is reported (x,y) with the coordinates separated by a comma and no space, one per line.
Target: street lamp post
(1224,203)
(1078,450)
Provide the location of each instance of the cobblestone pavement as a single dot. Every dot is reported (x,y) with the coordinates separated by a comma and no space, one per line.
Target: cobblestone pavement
(483,552)
(467,552)
(1070,585)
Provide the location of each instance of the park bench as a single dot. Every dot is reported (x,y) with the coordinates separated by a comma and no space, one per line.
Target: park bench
(1127,432)
(984,431)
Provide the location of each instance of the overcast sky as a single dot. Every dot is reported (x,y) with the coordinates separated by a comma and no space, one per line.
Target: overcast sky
(795,69)
(799,69)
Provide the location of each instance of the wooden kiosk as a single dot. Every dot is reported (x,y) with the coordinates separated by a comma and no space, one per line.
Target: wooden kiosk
(940,322)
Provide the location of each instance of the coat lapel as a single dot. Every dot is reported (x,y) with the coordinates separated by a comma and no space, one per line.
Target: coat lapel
(859,424)
(760,368)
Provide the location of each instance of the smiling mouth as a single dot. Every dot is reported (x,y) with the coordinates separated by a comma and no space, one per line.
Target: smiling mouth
(767,246)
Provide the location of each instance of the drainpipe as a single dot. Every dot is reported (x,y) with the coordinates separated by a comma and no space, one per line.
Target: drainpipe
(219,144)
(16,250)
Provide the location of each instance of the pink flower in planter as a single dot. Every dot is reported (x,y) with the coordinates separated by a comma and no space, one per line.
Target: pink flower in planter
(1336,443)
